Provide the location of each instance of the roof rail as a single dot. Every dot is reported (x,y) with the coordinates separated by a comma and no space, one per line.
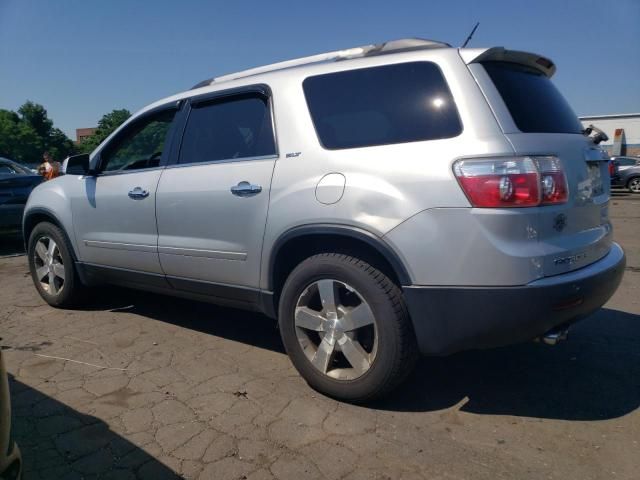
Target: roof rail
(393,46)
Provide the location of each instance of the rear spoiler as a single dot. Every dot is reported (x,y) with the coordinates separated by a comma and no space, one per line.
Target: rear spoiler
(499,54)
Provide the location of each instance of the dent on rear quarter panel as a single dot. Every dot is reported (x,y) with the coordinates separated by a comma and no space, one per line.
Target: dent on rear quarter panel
(469,247)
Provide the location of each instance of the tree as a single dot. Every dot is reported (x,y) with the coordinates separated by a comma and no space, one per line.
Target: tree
(107,124)
(25,135)
(59,145)
(36,116)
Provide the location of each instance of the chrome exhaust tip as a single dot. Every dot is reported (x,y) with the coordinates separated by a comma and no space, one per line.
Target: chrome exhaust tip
(554,336)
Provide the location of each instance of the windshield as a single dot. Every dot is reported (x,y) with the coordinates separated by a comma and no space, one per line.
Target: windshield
(533,101)
(9,167)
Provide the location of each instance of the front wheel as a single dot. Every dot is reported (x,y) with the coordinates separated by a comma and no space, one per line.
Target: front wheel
(346,328)
(52,268)
(634,185)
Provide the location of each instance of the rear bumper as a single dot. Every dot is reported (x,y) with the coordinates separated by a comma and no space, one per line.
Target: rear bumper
(451,319)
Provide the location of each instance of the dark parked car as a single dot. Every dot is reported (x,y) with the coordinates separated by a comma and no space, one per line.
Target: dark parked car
(627,173)
(10,463)
(16,183)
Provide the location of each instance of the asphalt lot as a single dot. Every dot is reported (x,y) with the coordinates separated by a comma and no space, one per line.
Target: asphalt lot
(143,386)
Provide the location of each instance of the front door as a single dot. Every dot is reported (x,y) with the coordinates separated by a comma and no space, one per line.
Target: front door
(114,214)
(212,204)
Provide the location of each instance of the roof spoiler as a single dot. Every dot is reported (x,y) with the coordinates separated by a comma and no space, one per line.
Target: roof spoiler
(499,54)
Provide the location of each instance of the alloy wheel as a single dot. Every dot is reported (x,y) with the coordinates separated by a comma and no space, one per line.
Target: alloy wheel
(634,185)
(49,266)
(336,329)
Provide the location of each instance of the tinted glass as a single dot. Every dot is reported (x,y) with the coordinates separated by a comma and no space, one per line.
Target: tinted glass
(626,162)
(12,168)
(533,101)
(407,102)
(140,145)
(229,128)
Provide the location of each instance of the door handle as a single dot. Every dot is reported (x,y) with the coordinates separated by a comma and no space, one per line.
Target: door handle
(138,193)
(245,189)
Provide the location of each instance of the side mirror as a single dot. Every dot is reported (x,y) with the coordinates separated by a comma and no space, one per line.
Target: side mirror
(77,165)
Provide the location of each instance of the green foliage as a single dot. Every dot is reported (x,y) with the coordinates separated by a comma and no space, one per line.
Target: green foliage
(36,116)
(27,134)
(107,124)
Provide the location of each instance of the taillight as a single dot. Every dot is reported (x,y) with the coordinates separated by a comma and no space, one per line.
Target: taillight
(554,183)
(513,181)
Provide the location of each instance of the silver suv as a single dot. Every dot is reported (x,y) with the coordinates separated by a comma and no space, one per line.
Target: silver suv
(381,202)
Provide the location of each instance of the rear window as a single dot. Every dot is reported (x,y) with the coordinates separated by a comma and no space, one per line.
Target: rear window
(626,162)
(400,103)
(533,101)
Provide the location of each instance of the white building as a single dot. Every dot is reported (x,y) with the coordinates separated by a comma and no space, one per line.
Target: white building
(622,129)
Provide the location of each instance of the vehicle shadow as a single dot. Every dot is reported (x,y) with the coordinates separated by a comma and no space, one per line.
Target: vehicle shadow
(242,326)
(595,375)
(59,442)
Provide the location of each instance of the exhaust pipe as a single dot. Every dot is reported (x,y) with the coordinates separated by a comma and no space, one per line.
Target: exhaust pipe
(554,336)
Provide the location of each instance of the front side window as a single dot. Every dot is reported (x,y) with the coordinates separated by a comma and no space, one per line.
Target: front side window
(140,145)
(228,128)
(405,102)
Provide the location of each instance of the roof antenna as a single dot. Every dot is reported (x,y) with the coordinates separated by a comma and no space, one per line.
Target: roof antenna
(470,35)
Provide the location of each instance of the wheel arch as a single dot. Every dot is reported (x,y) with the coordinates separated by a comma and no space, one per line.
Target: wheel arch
(301,242)
(37,215)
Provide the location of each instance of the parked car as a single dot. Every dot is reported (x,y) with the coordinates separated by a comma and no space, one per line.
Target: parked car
(382,201)
(627,173)
(625,162)
(16,183)
(10,460)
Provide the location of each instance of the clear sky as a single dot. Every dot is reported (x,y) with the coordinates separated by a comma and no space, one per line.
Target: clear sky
(83,58)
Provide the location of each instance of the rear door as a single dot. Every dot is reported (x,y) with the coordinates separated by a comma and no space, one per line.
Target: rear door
(114,213)
(212,203)
(537,120)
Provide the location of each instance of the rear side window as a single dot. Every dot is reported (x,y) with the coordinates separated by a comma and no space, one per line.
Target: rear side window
(534,103)
(406,102)
(229,128)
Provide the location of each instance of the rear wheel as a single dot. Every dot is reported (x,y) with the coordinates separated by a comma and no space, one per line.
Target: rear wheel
(634,185)
(52,267)
(346,328)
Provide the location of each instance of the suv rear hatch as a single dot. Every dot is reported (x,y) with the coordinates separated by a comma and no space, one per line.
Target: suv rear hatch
(537,120)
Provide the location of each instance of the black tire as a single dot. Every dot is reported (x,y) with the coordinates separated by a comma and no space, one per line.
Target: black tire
(396,350)
(71,291)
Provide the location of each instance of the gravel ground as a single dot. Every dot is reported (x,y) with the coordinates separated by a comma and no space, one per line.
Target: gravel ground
(143,386)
